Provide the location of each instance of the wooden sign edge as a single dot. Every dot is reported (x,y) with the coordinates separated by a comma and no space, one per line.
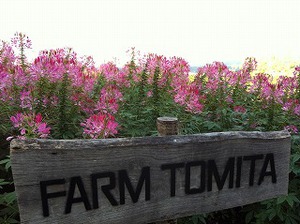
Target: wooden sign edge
(17,144)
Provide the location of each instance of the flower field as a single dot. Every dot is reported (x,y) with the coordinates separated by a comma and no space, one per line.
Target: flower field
(62,95)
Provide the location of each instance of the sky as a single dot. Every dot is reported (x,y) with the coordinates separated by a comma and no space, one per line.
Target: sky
(199,31)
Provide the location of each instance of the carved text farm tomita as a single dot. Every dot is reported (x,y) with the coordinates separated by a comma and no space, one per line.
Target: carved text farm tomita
(207,173)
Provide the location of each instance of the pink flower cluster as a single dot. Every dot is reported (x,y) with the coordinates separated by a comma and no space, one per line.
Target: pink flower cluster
(25,87)
(292,129)
(20,40)
(216,79)
(30,126)
(174,71)
(96,92)
(100,126)
(210,79)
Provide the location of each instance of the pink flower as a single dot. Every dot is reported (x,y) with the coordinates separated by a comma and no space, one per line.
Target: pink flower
(100,126)
(4,78)
(23,131)
(297,110)
(292,129)
(240,109)
(7,56)
(9,138)
(38,118)
(43,130)
(17,120)
(181,94)
(20,78)
(26,99)
(253,125)
(21,40)
(30,125)
(250,64)
(229,99)
(108,99)
(113,75)
(194,106)
(149,94)
(288,105)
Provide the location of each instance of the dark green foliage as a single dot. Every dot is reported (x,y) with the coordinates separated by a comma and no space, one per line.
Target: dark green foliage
(68,116)
(8,202)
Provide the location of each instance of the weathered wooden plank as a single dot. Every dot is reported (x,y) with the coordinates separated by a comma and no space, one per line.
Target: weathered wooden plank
(132,180)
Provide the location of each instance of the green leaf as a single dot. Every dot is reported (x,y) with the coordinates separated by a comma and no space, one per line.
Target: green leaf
(4,161)
(9,221)
(249,217)
(280,216)
(295,157)
(290,201)
(195,219)
(295,199)
(293,221)
(272,214)
(280,200)
(2,182)
(202,219)
(287,221)
(8,165)
(295,216)
(10,197)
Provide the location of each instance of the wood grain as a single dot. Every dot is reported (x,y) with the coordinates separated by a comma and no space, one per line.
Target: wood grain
(39,160)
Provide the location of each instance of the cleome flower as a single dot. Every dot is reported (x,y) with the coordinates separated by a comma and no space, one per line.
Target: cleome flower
(30,125)
(100,126)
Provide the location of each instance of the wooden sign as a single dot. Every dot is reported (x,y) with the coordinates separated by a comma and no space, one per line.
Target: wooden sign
(140,180)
